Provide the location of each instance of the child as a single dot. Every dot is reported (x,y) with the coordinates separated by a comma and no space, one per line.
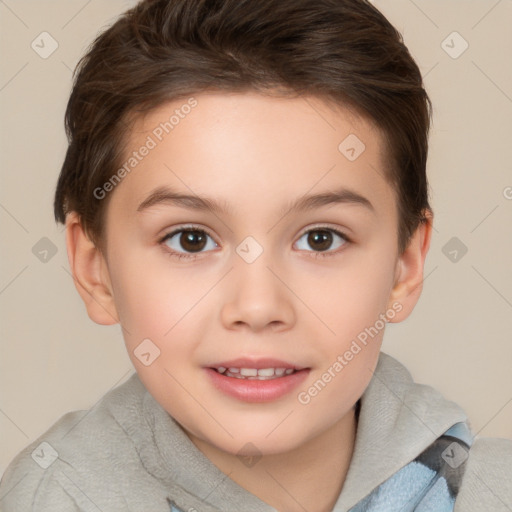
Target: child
(244,192)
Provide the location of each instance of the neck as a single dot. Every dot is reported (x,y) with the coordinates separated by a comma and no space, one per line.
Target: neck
(309,477)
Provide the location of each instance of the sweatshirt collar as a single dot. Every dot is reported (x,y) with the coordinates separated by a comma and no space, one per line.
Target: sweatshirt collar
(398,420)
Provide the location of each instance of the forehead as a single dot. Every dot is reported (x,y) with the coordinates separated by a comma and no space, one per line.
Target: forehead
(242,147)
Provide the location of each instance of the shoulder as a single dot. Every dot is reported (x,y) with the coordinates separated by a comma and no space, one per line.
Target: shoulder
(487,482)
(54,471)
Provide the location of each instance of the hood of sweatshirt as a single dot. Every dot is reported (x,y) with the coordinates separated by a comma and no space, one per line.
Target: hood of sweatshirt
(399,419)
(128,453)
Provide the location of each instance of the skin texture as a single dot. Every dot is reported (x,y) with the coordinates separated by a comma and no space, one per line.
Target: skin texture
(255,155)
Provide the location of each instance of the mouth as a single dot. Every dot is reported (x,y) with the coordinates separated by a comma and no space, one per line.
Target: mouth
(251,368)
(255,373)
(257,380)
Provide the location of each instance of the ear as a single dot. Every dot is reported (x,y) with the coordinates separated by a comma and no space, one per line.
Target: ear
(90,273)
(409,271)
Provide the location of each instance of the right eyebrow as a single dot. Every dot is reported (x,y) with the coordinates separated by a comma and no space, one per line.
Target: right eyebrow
(166,195)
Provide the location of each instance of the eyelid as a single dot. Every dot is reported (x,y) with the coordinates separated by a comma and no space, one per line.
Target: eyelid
(318,227)
(186,227)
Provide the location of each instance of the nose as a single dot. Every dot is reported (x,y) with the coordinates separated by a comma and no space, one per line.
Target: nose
(258,298)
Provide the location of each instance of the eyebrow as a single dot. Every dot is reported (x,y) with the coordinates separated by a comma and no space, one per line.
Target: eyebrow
(166,195)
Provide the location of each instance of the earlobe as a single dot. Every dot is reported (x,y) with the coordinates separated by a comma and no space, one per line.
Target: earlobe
(90,273)
(409,271)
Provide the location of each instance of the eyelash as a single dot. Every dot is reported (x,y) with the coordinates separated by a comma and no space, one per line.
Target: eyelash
(191,256)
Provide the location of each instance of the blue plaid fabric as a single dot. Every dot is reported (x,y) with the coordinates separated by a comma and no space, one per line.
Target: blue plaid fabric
(429,483)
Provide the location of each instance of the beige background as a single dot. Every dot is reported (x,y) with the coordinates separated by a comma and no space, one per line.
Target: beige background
(54,359)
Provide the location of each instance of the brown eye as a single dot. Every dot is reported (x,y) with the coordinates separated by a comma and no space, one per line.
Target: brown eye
(189,241)
(322,240)
(192,240)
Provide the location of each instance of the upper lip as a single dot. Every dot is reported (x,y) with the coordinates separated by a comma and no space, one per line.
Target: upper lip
(257,363)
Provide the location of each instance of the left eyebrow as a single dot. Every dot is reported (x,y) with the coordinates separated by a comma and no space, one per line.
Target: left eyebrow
(166,195)
(339,196)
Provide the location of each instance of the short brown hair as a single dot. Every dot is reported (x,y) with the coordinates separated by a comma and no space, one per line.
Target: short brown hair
(343,51)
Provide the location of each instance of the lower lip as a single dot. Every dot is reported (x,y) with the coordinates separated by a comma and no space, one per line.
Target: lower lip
(257,390)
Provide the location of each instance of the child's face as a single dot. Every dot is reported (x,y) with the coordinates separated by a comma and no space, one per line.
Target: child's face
(254,156)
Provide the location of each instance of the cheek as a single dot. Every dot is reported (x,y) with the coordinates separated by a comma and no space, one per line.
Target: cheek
(147,302)
(352,296)
(156,310)
(156,300)
(143,303)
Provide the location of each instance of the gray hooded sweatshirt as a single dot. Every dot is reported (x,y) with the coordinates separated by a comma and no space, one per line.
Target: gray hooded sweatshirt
(128,454)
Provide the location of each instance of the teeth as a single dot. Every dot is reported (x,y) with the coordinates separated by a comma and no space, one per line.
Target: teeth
(255,374)
(267,372)
(248,372)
